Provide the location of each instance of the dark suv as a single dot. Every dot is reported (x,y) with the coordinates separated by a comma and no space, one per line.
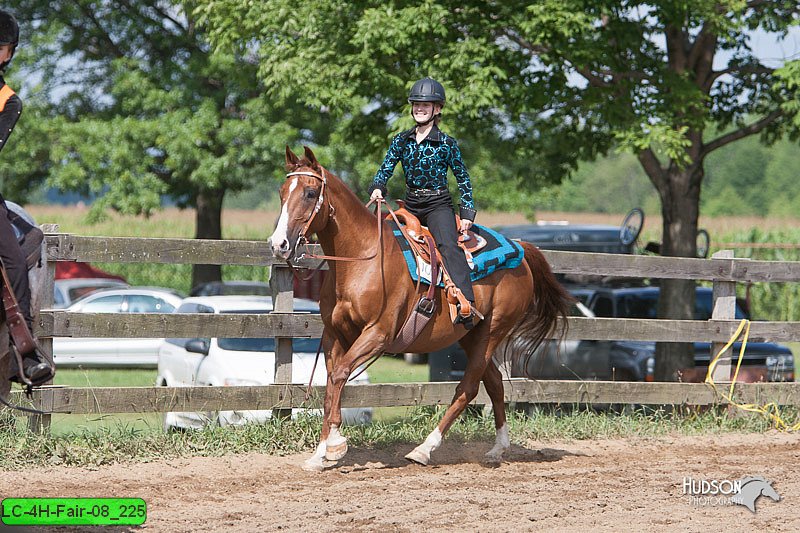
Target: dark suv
(627,360)
(614,360)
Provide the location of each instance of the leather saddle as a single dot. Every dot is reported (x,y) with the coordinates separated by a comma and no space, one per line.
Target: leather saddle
(423,245)
(470,241)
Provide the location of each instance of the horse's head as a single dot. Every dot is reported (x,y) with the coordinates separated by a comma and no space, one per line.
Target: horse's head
(303,196)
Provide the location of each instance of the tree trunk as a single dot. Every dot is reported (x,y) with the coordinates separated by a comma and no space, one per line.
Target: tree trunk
(208,225)
(680,207)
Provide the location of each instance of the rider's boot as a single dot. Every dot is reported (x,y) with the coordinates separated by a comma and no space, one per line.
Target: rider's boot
(35,366)
(36,369)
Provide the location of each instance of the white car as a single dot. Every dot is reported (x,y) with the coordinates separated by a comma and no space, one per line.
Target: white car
(91,352)
(67,291)
(238,362)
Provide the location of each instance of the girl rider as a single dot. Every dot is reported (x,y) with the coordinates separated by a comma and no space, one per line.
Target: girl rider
(426,153)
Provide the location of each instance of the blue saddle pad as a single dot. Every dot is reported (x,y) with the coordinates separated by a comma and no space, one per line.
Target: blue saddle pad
(499,252)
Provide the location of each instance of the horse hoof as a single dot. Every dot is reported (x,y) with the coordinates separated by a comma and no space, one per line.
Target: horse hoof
(314,465)
(334,453)
(494,457)
(418,457)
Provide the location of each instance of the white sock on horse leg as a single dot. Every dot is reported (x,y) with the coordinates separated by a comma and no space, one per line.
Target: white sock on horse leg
(316,463)
(501,443)
(433,441)
(334,437)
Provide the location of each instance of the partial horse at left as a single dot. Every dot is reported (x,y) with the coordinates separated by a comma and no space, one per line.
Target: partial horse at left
(36,278)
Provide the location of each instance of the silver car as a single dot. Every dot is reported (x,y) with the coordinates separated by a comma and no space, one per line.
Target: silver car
(115,352)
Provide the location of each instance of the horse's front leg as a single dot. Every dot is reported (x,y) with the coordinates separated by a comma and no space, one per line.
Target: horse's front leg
(339,363)
(334,350)
(368,344)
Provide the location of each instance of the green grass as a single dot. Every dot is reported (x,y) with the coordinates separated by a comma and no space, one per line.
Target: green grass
(126,444)
(122,422)
(395,370)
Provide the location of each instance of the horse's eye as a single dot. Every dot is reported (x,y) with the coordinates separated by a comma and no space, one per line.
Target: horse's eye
(311,194)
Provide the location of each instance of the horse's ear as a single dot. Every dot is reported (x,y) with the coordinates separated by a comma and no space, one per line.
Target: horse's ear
(310,156)
(291,159)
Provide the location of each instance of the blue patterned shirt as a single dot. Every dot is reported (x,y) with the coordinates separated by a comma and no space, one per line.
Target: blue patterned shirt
(425,165)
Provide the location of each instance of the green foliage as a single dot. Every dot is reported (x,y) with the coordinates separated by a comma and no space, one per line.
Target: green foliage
(136,106)
(613,184)
(768,301)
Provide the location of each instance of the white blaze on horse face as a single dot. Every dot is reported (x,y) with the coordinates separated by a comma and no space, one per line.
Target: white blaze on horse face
(280,239)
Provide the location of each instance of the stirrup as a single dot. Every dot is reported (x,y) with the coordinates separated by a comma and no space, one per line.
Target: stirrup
(469,320)
(35,371)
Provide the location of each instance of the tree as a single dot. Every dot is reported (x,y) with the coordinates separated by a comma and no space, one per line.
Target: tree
(565,79)
(139,107)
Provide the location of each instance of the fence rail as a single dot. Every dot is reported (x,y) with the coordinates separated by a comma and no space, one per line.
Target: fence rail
(724,271)
(203,399)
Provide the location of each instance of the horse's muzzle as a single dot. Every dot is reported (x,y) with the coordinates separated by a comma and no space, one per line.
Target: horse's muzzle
(282,249)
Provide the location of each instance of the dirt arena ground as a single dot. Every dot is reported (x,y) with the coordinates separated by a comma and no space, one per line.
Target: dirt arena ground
(600,485)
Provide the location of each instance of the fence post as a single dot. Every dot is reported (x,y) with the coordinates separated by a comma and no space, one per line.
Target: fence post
(724,295)
(46,286)
(281,283)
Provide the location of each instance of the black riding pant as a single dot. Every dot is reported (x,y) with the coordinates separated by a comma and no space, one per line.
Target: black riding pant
(14,261)
(436,211)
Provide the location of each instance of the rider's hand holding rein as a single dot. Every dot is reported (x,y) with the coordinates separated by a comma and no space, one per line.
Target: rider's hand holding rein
(376,195)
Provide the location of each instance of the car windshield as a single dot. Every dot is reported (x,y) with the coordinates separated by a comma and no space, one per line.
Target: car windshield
(267,345)
(645,305)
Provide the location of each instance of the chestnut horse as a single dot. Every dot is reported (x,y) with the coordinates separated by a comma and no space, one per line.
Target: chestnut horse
(365,303)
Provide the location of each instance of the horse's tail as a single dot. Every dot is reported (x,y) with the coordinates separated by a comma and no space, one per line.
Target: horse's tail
(549,305)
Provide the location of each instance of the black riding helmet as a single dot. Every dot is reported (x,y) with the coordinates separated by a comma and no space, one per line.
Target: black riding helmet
(427,90)
(9,33)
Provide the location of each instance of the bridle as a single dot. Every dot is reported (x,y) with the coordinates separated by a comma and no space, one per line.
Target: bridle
(302,240)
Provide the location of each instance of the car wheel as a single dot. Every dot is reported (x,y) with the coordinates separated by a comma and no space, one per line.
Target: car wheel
(416,358)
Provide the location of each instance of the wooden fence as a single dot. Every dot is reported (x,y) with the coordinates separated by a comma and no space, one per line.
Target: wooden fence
(723,269)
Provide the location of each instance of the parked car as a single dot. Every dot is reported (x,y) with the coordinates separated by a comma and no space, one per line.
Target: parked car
(762,361)
(115,352)
(626,360)
(238,362)
(67,291)
(221,288)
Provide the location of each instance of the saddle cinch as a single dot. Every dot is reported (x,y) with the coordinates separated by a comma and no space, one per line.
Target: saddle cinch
(419,237)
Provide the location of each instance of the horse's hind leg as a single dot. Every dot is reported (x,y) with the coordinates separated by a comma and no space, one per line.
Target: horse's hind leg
(493,381)
(479,348)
